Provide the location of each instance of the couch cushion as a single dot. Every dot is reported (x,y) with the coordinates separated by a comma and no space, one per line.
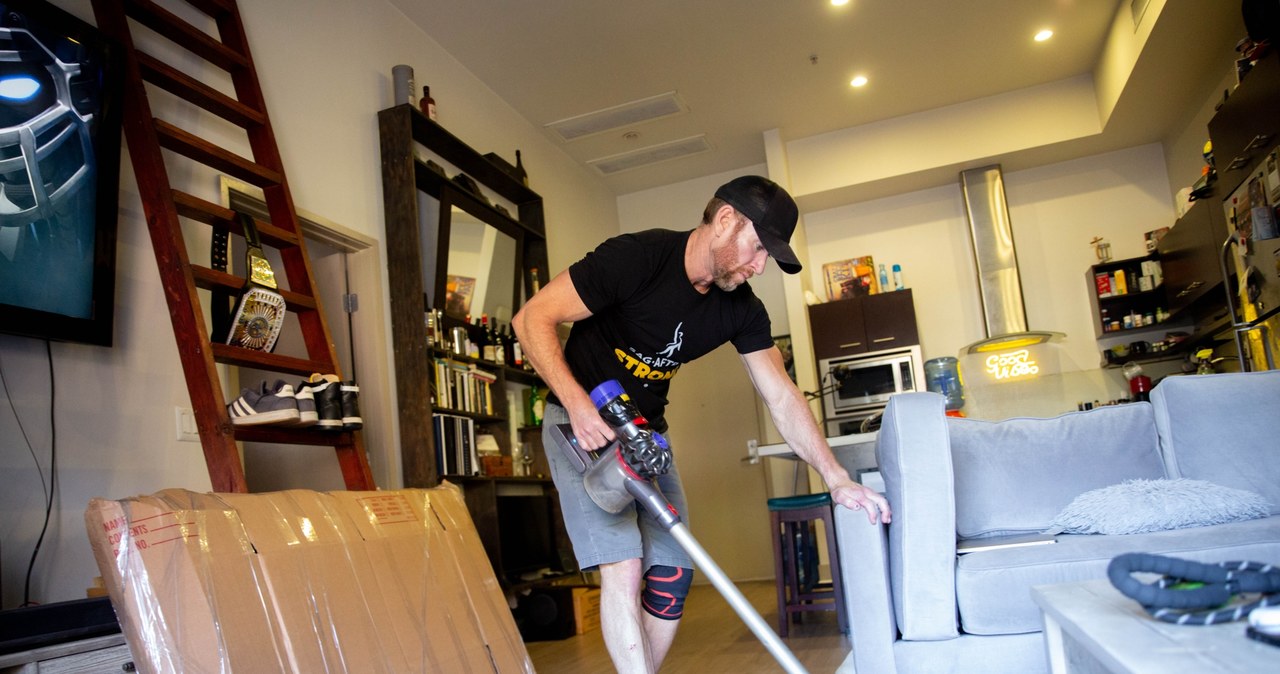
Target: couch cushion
(1222,428)
(1139,506)
(1014,476)
(993,587)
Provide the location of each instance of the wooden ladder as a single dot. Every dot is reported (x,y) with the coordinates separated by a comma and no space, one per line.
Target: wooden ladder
(164,205)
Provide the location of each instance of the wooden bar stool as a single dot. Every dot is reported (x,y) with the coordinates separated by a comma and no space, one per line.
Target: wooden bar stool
(795,558)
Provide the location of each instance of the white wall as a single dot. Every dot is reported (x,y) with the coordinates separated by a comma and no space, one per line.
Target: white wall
(1055,210)
(325,69)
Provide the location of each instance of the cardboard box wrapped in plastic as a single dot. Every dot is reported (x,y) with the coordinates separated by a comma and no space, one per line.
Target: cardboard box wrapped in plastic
(302,581)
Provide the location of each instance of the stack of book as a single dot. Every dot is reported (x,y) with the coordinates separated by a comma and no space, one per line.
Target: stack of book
(463,387)
(455,445)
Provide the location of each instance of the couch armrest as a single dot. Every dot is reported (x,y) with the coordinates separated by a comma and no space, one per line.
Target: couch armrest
(864,570)
(913,450)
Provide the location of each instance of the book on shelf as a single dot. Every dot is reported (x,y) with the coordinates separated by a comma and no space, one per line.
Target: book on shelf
(1001,542)
(463,387)
(455,438)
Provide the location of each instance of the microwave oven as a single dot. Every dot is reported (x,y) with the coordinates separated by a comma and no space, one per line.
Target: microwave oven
(861,384)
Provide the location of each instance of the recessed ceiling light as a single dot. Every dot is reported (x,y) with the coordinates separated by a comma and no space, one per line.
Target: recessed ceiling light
(1044,35)
(859,81)
(839,3)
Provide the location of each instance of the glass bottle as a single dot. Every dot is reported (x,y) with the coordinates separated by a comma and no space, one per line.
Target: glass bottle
(427,103)
(520,172)
(486,339)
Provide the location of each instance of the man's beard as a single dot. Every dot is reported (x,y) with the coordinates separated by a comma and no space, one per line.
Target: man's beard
(724,275)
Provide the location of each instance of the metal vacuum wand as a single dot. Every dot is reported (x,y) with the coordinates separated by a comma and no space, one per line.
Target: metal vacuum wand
(625,471)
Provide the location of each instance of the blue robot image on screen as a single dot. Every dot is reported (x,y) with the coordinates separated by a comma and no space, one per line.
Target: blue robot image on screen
(49,89)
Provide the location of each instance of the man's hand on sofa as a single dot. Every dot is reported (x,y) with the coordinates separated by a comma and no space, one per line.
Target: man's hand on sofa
(854,496)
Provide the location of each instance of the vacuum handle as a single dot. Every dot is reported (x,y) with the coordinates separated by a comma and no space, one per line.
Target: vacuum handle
(581,459)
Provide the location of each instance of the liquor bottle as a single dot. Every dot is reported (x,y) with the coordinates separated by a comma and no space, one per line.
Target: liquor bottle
(536,407)
(520,172)
(499,346)
(474,337)
(534,284)
(486,339)
(508,346)
(517,353)
(427,103)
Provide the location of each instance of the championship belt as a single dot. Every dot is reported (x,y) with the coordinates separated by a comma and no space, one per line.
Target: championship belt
(222,305)
(260,311)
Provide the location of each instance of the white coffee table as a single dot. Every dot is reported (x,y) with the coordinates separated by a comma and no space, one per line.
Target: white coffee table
(1091,627)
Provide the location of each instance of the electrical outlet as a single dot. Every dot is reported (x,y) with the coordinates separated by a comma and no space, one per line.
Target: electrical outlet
(185,421)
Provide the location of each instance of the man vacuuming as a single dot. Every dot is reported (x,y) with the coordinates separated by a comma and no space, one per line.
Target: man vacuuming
(641,306)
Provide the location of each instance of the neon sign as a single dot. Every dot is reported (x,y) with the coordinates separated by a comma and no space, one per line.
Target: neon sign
(1012,365)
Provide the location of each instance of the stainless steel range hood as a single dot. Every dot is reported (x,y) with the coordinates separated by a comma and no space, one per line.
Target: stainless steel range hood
(999,283)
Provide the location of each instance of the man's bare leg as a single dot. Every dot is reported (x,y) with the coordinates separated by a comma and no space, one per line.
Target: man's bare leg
(624,629)
(660,634)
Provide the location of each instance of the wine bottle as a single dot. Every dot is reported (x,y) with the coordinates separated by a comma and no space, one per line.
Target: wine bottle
(499,346)
(520,172)
(486,339)
(474,340)
(427,103)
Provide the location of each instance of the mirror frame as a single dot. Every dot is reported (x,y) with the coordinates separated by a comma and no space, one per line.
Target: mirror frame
(451,196)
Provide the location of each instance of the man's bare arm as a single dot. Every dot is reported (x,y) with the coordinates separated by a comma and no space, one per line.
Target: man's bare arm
(794,419)
(535,325)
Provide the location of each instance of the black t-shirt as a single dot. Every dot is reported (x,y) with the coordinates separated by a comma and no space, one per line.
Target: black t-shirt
(648,320)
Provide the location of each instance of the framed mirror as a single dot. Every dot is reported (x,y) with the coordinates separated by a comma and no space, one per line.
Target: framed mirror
(476,268)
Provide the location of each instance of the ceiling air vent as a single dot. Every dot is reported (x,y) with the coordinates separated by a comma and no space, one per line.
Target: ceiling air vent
(627,114)
(651,155)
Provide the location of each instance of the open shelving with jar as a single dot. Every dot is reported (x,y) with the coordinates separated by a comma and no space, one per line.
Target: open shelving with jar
(1129,306)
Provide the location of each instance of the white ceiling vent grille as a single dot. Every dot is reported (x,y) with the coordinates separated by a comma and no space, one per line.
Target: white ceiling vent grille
(651,155)
(643,110)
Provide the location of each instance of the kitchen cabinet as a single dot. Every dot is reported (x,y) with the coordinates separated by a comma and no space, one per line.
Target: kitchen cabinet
(863,324)
(1189,257)
(1246,125)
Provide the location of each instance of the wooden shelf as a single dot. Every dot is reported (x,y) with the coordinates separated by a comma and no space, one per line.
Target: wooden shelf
(406,178)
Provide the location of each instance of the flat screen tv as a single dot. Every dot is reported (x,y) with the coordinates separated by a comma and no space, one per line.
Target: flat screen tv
(60,96)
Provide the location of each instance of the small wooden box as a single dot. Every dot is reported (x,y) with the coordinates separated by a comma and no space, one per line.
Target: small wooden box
(495,465)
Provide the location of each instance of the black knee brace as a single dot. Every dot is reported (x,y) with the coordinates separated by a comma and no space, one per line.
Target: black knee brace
(665,588)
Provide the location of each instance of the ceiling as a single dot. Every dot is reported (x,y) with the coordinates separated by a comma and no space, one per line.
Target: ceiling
(743,67)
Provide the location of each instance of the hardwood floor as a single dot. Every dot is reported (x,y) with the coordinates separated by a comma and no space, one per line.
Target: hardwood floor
(712,639)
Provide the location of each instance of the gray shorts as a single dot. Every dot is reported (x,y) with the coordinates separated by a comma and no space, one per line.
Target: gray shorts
(600,537)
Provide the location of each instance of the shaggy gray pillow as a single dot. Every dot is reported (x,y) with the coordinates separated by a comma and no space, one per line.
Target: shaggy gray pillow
(1138,506)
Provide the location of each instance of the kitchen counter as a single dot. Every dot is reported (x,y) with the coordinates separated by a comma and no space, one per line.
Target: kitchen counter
(856,452)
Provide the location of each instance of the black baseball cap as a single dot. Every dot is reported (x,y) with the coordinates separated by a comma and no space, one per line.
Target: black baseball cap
(771,210)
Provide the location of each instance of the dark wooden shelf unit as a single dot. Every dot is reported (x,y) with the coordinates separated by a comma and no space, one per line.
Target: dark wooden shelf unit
(404,178)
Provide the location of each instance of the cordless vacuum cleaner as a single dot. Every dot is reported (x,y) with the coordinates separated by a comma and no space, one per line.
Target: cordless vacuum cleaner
(625,471)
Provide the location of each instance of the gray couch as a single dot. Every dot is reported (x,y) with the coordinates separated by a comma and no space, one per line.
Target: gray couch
(916,606)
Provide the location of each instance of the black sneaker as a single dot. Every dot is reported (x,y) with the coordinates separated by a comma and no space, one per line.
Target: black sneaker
(277,405)
(325,390)
(351,420)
